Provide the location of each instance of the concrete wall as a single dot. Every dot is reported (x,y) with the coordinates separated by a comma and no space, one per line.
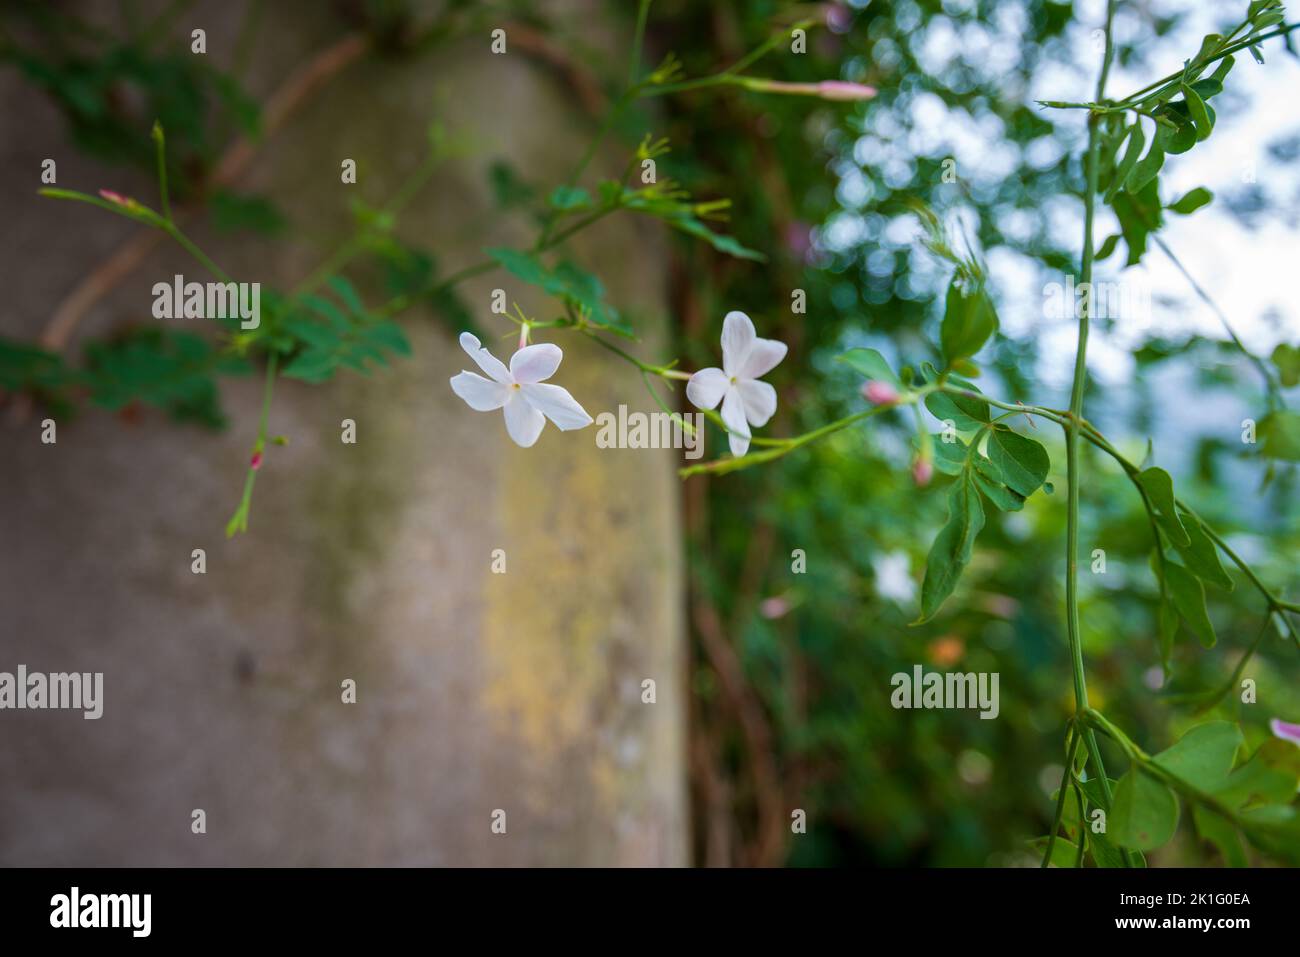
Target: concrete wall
(371,561)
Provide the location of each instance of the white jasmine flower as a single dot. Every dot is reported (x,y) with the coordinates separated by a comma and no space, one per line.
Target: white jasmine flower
(745,400)
(520,390)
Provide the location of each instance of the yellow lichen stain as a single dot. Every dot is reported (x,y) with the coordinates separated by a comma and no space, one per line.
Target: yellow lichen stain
(546,620)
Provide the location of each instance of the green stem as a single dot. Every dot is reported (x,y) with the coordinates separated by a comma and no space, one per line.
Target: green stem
(1218,55)
(160,151)
(1070,748)
(638,38)
(723,466)
(239,521)
(1072,429)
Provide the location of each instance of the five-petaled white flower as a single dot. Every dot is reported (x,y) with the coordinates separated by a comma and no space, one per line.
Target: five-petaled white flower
(745,400)
(520,390)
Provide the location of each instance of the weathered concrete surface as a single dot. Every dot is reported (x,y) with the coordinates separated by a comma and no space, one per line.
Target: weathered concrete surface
(476,691)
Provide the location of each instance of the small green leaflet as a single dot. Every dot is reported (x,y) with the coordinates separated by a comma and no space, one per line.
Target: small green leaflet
(350,338)
(1145,170)
(1270,776)
(1191,201)
(1287,359)
(1145,812)
(566,198)
(1221,833)
(1160,490)
(1104,851)
(173,371)
(869,364)
(1199,113)
(1188,596)
(1201,556)
(1138,215)
(951,550)
(1203,757)
(968,320)
(965,413)
(1136,140)
(949,457)
(567,282)
(1019,462)
(1064,852)
(689,224)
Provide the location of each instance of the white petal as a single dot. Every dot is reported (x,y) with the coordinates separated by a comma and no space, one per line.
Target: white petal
(480,394)
(706,388)
(733,414)
(759,399)
(486,360)
(556,404)
(762,359)
(523,422)
(535,363)
(737,339)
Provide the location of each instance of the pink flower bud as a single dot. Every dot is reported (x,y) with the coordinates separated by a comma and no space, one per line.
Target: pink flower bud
(879,393)
(840,90)
(1285,730)
(255,462)
(774,607)
(113,197)
(922,472)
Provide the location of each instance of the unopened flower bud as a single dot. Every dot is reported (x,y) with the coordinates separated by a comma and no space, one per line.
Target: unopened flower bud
(922,472)
(879,393)
(842,90)
(255,462)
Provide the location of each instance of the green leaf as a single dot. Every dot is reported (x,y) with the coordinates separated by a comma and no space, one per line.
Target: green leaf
(1138,215)
(951,551)
(1279,435)
(314,365)
(1145,170)
(232,212)
(1287,359)
(1103,849)
(1192,201)
(1181,136)
(1203,757)
(1188,596)
(1160,490)
(724,244)
(1221,833)
(949,457)
(988,482)
(1197,111)
(1136,140)
(566,198)
(1269,777)
(350,339)
(1145,813)
(348,293)
(1107,247)
(567,282)
(1221,72)
(968,321)
(1018,461)
(1064,852)
(966,414)
(1201,555)
(869,364)
(170,370)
